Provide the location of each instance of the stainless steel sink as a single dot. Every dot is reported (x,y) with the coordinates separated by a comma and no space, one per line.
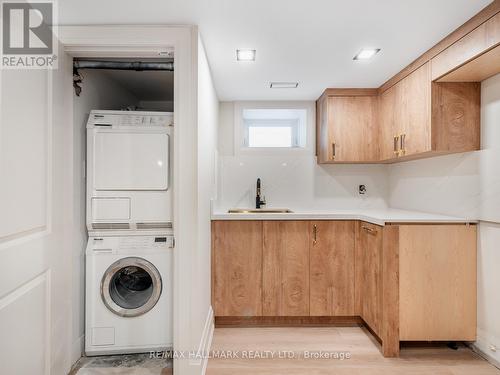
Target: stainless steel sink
(259,211)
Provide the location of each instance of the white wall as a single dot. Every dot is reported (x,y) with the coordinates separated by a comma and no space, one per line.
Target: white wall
(488,297)
(208,108)
(444,185)
(465,185)
(489,166)
(489,227)
(98,92)
(292,180)
(155,105)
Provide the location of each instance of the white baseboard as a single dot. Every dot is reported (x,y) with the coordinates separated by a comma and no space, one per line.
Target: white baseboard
(205,342)
(482,347)
(209,337)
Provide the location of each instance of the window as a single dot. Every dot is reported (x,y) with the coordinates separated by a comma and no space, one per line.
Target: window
(274,128)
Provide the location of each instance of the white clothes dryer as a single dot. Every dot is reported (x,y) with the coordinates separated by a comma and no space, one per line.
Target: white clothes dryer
(129,170)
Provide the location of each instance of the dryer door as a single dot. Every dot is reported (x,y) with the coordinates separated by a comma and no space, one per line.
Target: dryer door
(131,287)
(130,160)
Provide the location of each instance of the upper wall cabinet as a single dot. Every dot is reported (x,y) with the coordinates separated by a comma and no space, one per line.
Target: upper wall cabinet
(414,118)
(421,118)
(405,116)
(347,129)
(473,58)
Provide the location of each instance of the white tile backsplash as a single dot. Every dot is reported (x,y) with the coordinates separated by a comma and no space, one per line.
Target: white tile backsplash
(299,183)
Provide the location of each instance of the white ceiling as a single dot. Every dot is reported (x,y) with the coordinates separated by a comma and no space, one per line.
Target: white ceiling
(311,42)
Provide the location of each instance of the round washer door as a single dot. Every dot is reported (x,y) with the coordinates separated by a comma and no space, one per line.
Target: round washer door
(131,287)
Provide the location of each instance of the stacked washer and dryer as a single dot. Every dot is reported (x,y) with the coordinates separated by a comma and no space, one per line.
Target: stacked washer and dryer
(129,254)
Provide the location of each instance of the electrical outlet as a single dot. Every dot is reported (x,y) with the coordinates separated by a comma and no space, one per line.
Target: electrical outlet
(362,189)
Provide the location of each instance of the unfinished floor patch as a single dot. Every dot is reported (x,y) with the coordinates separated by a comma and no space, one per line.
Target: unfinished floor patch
(128,364)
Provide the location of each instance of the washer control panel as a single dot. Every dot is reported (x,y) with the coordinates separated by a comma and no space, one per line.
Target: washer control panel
(132,243)
(142,242)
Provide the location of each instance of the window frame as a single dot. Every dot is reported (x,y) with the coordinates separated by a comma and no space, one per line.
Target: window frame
(275,123)
(241,135)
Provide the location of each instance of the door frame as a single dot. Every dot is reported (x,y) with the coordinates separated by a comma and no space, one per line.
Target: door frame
(149,41)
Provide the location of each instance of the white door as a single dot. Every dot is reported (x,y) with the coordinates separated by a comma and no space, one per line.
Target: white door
(35,213)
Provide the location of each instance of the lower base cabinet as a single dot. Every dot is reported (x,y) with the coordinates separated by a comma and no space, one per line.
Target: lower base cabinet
(237,268)
(285,278)
(368,280)
(437,282)
(417,282)
(331,260)
(407,282)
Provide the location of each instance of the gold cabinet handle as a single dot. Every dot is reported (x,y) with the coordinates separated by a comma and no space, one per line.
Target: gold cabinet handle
(369,230)
(395,145)
(402,143)
(315,234)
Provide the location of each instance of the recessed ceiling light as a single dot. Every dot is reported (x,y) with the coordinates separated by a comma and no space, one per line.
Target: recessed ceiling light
(366,53)
(284,85)
(245,54)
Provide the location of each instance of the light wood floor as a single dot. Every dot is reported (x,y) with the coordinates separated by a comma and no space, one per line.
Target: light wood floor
(364,350)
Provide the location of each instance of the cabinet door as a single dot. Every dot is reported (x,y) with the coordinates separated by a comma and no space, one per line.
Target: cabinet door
(369,256)
(352,129)
(437,282)
(322,137)
(237,268)
(332,268)
(286,268)
(415,118)
(389,113)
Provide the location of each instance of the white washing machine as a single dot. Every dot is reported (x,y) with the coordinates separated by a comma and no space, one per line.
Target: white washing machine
(128,294)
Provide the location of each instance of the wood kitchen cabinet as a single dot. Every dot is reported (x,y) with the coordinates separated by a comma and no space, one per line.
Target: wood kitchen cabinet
(389,108)
(347,130)
(283,268)
(237,268)
(405,116)
(417,282)
(412,119)
(437,282)
(473,58)
(286,268)
(332,268)
(407,282)
(413,115)
(421,118)
(369,275)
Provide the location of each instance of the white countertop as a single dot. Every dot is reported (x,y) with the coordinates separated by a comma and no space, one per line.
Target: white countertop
(374,216)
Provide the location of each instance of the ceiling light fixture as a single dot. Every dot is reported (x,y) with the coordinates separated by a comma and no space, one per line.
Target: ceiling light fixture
(245,54)
(284,85)
(366,53)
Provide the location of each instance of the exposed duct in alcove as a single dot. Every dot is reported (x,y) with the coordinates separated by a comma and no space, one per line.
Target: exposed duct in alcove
(123,65)
(116,65)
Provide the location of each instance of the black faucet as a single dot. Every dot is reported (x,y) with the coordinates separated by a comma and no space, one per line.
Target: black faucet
(258,201)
